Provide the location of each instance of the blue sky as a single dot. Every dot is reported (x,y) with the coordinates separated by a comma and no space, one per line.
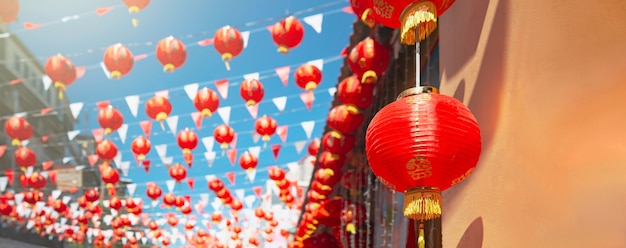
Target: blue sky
(85,39)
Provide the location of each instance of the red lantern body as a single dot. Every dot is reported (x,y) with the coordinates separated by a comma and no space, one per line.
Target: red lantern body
(154,192)
(169,199)
(352,91)
(110,176)
(368,60)
(314,147)
(327,176)
(36,181)
(236,205)
(287,34)
(252,91)
(436,152)
(18,129)
(276,173)
(338,143)
(332,161)
(344,118)
(25,157)
(106,150)
(248,162)
(178,172)
(158,108)
(9,11)
(224,135)
(216,185)
(61,71)
(216,218)
(141,147)
(206,101)
(110,119)
(363,10)
(115,203)
(172,54)
(118,60)
(172,221)
(135,6)
(308,77)
(92,195)
(229,43)
(187,140)
(266,127)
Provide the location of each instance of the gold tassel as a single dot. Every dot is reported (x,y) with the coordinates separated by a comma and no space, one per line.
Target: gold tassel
(421,242)
(420,17)
(422,203)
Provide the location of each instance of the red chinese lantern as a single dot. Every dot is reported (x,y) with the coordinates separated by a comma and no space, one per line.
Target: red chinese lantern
(287,34)
(18,129)
(216,185)
(115,203)
(130,203)
(344,118)
(169,199)
(266,127)
(61,71)
(158,108)
(224,135)
(118,60)
(410,16)
(363,10)
(92,195)
(110,176)
(276,173)
(134,6)
(337,143)
(36,181)
(165,242)
(327,176)
(206,101)
(141,147)
(32,197)
(25,157)
(252,91)
(248,162)
(106,150)
(352,91)
(172,221)
(422,144)
(330,160)
(9,11)
(216,218)
(178,172)
(314,147)
(308,77)
(229,43)
(172,54)
(59,206)
(368,60)
(236,205)
(154,192)
(187,140)
(186,209)
(153,226)
(110,119)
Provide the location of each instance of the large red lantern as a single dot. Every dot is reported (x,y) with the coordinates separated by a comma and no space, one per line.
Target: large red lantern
(308,77)
(363,10)
(18,129)
(172,54)
(248,162)
(25,157)
(338,143)
(187,140)
(266,127)
(118,60)
(252,91)
(134,6)
(61,71)
(141,147)
(224,135)
(206,101)
(158,108)
(287,34)
(9,11)
(106,150)
(327,176)
(229,43)
(368,60)
(422,144)
(411,17)
(178,172)
(110,119)
(36,181)
(352,91)
(344,118)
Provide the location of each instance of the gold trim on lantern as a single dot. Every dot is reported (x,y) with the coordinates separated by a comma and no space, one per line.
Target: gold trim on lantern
(418,19)
(417,90)
(133,9)
(422,203)
(365,18)
(283,49)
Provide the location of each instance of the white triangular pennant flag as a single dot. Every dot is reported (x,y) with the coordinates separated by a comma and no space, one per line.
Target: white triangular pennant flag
(210,157)
(75,108)
(144,240)
(117,159)
(154,204)
(106,203)
(308,127)
(66,199)
(255,137)
(133,104)
(216,204)
(280,103)
(251,174)
(170,185)
(107,219)
(124,167)
(245,35)
(240,193)
(332,91)
(204,197)
(106,71)
(210,177)
(72,134)
(122,131)
(47,82)
(255,151)
(172,123)
(224,113)
(319,63)
(167,160)
(55,194)
(249,201)
(161,150)
(299,146)
(254,75)
(209,143)
(191,90)
(44,174)
(3,183)
(315,21)
(67,160)
(131,187)
(29,171)
(293,166)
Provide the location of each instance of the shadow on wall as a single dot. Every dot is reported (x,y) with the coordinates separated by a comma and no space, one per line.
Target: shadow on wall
(473,236)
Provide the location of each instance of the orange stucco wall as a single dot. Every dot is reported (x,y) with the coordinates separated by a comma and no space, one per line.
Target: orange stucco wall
(547,82)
